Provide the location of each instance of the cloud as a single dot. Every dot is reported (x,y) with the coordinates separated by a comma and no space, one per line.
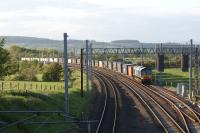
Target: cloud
(148,20)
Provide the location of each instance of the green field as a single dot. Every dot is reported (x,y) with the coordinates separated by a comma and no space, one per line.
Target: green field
(40,96)
(172,76)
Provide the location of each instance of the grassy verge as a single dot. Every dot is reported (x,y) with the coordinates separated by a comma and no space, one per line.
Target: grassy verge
(172,76)
(34,97)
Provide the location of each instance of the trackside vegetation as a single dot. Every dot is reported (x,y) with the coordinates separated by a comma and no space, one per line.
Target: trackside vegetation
(34,86)
(45,98)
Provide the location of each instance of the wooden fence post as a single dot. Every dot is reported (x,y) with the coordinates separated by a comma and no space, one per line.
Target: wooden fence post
(10,85)
(2,86)
(18,85)
(41,86)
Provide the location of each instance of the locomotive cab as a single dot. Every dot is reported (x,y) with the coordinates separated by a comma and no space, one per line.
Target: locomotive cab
(142,74)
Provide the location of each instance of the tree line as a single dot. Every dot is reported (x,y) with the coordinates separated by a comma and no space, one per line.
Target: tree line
(11,68)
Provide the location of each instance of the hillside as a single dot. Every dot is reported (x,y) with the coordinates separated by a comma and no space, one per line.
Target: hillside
(40,43)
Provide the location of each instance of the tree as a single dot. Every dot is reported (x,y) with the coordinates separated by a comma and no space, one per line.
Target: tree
(4,58)
(52,72)
(27,74)
(12,66)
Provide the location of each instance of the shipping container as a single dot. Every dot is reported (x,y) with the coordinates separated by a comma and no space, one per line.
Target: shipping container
(93,63)
(73,60)
(114,66)
(96,63)
(45,59)
(110,65)
(50,59)
(105,64)
(78,61)
(130,71)
(119,67)
(61,60)
(83,61)
(100,63)
(55,59)
(125,68)
(134,67)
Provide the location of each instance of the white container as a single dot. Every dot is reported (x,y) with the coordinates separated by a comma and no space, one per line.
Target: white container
(105,64)
(78,61)
(69,60)
(110,65)
(100,63)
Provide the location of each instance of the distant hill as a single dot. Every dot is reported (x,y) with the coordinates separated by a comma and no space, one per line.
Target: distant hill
(40,43)
(126,41)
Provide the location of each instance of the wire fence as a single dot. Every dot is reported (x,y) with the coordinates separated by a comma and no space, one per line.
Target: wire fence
(40,86)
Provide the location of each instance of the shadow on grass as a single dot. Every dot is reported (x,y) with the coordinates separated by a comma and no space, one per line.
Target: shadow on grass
(27,100)
(169,79)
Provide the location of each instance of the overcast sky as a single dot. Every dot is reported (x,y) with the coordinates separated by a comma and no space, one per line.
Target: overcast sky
(103,20)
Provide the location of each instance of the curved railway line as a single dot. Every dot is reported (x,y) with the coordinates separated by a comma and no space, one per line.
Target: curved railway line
(165,120)
(181,101)
(122,123)
(109,113)
(163,109)
(169,111)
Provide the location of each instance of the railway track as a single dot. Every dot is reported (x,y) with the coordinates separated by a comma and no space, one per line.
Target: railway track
(162,116)
(108,116)
(178,99)
(163,106)
(189,118)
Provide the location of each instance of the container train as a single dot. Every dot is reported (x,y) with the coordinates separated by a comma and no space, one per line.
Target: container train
(139,73)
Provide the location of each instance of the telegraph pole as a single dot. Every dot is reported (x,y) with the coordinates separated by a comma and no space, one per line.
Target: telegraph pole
(81,61)
(66,106)
(90,63)
(190,82)
(196,70)
(87,70)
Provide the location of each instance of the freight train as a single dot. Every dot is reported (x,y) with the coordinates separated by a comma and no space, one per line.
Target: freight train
(139,73)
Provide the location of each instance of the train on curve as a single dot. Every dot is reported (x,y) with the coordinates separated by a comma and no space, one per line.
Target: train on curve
(139,73)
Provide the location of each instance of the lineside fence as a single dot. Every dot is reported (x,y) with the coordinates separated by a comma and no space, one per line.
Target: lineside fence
(37,86)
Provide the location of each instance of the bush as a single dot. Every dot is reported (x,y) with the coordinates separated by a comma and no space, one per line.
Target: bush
(27,74)
(52,72)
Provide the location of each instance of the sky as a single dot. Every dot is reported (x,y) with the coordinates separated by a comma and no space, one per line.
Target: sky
(103,20)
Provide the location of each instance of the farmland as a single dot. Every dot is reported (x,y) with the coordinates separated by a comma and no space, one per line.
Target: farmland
(20,95)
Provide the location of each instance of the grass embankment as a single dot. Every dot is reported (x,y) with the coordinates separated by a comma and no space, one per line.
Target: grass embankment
(40,96)
(172,76)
